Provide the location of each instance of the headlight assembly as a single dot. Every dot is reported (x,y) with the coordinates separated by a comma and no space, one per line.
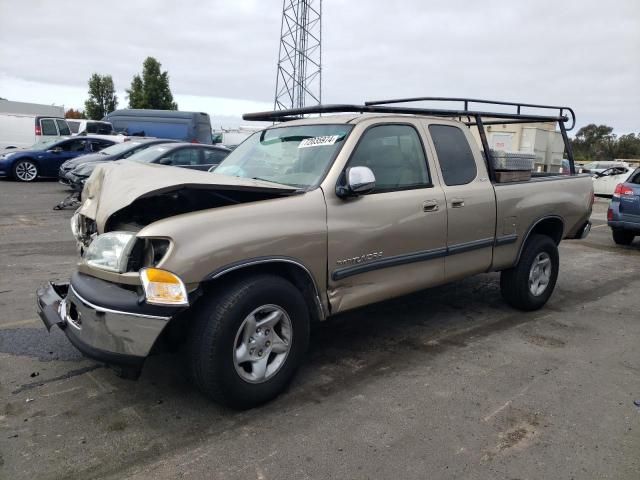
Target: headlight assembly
(110,251)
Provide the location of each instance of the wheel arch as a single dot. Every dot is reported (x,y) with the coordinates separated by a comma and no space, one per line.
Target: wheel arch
(550,225)
(289,268)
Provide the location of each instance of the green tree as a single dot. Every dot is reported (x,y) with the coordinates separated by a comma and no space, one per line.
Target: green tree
(628,146)
(152,89)
(102,97)
(136,93)
(598,142)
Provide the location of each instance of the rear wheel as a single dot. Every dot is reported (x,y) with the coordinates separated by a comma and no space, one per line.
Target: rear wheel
(25,171)
(248,340)
(622,237)
(529,284)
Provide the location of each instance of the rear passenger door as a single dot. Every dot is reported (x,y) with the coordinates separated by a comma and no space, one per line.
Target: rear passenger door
(470,200)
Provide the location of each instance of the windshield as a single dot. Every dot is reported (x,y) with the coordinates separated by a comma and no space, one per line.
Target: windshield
(44,144)
(120,147)
(296,156)
(148,155)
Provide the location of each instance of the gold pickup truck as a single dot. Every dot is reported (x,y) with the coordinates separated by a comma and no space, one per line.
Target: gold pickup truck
(305,219)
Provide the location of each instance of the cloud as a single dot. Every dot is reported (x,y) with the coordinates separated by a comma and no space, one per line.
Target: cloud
(580,53)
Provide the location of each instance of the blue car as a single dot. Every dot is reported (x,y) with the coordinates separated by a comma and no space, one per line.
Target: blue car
(44,158)
(623,215)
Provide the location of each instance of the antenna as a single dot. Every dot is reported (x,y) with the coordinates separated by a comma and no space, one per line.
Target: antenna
(299,76)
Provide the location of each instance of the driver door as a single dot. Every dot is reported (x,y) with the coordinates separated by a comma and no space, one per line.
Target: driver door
(390,241)
(62,152)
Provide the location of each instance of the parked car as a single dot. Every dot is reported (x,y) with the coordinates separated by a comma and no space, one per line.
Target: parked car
(185,126)
(601,166)
(623,215)
(185,155)
(82,126)
(114,152)
(44,158)
(605,181)
(23,130)
(302,221)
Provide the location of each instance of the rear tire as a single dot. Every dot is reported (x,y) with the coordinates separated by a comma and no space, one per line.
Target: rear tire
(622,237)
(25,171)
(234,360)
(529,284)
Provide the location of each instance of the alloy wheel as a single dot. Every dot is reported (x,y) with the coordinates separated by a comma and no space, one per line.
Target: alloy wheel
(262,343)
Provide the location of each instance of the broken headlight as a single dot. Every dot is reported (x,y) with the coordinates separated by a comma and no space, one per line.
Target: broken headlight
(147,252)
(110,251)
(83,229)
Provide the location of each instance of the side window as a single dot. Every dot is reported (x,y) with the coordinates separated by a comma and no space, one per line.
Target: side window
(185,156)
(97,145)
(48,127)
(73,126)
(63,127)
(73,146)
(454,154)
(395,155)
(213,156)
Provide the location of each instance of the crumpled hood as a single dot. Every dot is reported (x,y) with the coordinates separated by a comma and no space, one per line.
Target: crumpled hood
(115,185)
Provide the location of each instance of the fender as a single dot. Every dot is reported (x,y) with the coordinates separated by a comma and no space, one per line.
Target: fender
(265,260)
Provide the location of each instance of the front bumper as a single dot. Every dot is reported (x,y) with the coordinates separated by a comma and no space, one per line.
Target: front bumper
(69,179)
(104,321)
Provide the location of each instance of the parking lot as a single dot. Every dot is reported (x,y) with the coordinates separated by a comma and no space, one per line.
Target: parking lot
(447,383)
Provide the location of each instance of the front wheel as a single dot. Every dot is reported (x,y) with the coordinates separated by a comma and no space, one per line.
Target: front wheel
(622,237)
(25,171)
(248,340)
(529,284)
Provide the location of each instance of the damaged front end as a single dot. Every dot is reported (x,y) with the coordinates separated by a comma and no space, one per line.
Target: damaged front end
(120,300)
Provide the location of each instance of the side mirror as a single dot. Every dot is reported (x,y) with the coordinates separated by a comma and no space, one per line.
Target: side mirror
(359,180)
(55,150)
(165,161)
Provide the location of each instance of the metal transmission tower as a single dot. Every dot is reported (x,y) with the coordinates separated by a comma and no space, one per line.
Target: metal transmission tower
(299,77)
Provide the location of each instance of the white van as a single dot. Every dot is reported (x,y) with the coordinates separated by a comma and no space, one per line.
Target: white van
(23,130)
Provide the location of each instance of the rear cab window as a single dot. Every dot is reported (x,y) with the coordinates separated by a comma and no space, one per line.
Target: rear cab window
(457,163)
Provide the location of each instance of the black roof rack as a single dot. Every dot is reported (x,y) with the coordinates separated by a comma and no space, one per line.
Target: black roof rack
(383,106)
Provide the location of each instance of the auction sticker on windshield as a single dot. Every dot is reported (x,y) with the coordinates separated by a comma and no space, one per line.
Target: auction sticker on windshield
(319,141)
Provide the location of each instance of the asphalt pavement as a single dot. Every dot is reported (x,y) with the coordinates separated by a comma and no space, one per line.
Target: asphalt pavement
(446,383)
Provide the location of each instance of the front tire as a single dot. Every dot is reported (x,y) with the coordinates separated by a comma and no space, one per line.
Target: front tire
(248,340)
(622,237)
(529,284)
(25,170)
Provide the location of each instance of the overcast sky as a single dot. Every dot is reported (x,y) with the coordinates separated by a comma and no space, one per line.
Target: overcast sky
(221,55)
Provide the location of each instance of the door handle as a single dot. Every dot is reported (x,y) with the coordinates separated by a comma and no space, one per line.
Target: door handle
(430,206)
(457,202)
